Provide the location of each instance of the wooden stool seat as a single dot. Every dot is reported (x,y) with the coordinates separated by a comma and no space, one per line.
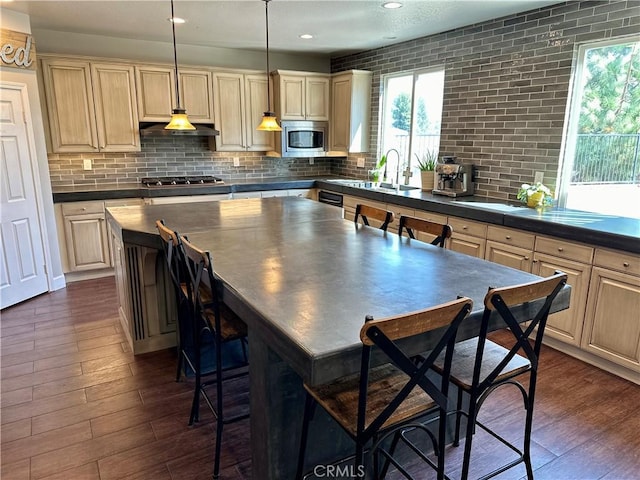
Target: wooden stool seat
(340,398)
(366,211)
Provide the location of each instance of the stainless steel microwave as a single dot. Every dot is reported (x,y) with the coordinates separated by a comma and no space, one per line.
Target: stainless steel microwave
(304,138)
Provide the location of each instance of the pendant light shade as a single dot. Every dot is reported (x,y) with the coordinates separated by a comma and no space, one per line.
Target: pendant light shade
(269,122)
(179,119)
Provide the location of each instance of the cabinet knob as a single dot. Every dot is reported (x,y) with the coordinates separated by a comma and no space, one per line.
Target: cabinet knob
(625,264)
(560,249)
(526,258)
(534,261)
(84,208)
(508,237)
(464,227)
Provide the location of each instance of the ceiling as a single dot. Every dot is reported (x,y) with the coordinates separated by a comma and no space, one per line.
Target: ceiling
(338,27)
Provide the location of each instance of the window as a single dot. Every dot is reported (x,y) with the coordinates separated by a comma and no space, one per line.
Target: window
(601,161)
(410,122)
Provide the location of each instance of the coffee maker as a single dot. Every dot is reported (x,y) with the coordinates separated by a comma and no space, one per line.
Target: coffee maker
(453,179)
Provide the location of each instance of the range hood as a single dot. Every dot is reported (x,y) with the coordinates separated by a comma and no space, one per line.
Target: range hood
(158,130)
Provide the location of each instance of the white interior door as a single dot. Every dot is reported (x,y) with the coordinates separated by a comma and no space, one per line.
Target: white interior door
(22,264)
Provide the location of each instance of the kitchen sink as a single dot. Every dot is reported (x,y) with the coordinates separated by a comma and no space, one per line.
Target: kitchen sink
(390,187)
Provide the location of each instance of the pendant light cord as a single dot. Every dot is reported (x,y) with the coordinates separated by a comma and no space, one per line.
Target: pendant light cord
(175,56)
(266,16)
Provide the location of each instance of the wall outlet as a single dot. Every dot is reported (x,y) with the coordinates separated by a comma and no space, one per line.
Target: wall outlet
(236,161)
(360,163)
(538,177)
(87,164)
(310,160)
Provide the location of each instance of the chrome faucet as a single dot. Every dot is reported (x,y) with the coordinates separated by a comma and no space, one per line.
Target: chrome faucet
(397,182)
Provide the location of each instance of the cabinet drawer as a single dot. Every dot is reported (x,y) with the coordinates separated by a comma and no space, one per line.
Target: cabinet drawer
(432,217)
(79,208)
(616,260)
(564,249)
(509,236)
(468,227)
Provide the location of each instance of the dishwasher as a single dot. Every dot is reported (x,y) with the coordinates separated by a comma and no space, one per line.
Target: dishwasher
(330,198)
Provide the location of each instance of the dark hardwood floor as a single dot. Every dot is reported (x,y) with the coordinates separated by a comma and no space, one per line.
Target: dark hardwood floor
(76,404)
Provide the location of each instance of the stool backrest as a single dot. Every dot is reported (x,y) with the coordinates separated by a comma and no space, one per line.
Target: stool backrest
(439,230)
(536,298)
(384,334)
(367,211)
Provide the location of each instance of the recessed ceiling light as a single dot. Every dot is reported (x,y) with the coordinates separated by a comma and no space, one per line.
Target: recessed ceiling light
(392,5)
(306,36)
(177,20)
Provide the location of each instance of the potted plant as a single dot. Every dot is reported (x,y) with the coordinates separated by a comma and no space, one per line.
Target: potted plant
(427,166)
(536,195)
(374,174)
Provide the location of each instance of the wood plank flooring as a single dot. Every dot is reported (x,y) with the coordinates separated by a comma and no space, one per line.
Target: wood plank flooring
(76,404)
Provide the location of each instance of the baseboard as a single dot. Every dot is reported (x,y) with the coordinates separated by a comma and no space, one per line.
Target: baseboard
(57,283)
(88,275)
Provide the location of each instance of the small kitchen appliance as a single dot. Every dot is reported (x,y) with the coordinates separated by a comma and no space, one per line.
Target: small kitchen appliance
(453,179)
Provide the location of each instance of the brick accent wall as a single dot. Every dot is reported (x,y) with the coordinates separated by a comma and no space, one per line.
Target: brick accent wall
(506,87)
(165,156)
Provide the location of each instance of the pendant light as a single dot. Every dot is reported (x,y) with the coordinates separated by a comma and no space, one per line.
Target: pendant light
(269,122)
(179,119)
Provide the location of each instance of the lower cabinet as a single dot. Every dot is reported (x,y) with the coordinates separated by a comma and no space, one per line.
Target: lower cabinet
(468,237)
(612,321)
(85,236)
(509,247)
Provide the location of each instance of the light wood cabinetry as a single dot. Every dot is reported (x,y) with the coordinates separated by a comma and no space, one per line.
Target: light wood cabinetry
(91,106)
(468,237)
(301,95)
(86,236)
(350,112)
(612,322)
(510,247)
(157,93)
(574,259)
(349,208)
(240,102)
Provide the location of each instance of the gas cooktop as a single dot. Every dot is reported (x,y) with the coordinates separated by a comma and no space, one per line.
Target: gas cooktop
(180,181)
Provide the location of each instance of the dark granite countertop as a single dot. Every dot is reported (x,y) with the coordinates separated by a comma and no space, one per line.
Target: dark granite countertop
(600,230)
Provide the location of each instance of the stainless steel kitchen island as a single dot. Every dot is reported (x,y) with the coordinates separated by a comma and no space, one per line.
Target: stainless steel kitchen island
(303,279)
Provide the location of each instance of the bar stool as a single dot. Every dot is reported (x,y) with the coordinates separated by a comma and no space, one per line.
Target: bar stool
(170,247)
(480,366)
(214,327)
(382,400)
(440,231)
(367,211)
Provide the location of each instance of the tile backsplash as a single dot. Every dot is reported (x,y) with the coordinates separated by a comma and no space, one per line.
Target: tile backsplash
(177,156)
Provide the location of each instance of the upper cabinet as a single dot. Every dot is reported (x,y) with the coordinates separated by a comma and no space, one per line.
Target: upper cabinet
(157,93)
(241,100)
(91,106)
(301,95)
(350,112)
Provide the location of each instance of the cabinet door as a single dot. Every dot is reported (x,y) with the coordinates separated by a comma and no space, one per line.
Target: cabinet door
(567,324)
(116,110)
(612,329)
(229,111)
(255,106)
(86,240)
(196,95)
(468,245)
(69,98)
(156,93)
(291,97)
(340,113)
(509,255)
(317,98)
